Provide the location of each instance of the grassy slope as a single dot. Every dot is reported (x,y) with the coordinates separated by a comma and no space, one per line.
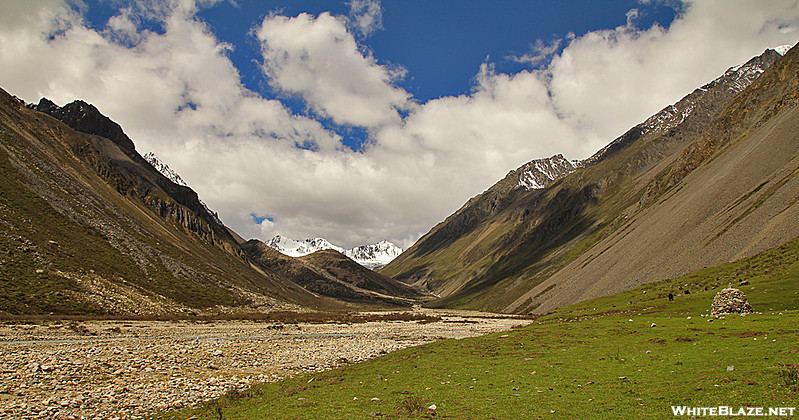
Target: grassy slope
(78,248)
(29,223)
(601,358)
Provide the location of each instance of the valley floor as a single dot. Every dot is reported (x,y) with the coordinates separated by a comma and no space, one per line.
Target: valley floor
(127,369)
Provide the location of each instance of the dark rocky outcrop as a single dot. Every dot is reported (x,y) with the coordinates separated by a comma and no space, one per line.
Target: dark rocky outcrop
(86,118)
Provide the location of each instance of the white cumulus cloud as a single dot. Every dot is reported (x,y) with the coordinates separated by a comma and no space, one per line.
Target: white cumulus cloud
(318,59)
(177,93)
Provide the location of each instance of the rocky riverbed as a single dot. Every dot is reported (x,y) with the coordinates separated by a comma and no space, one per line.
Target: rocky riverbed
(127,369)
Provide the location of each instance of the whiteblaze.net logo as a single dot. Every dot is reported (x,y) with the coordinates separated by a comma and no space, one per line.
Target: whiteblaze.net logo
(723,410)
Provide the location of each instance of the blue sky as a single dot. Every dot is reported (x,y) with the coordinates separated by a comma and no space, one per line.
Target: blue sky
(440,44)
(366,120)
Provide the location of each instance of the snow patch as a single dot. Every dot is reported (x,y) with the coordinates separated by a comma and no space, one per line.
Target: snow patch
(165,170)
(539,173)
(782,49)
(370,256)
(294,248)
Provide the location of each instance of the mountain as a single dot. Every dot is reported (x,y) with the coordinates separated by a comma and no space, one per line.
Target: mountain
(342,267)
(707,180)
(539,173)
(173,176)
(374,256)
(370,256)
(330,273)
(295,248)
(88,226)
(130,173)
(165,170)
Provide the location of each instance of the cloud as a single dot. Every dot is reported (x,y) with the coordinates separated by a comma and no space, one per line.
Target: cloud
(632,15)
(366,16)
(319,60)
(539,53)
(124,28)
(176,92)
(606,81)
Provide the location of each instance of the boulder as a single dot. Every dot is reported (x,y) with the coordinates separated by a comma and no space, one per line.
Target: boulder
(730,301)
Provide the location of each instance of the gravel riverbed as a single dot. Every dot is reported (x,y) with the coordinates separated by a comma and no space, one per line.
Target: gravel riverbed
(127,369)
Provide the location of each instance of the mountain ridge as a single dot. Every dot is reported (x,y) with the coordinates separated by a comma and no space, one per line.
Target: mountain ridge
(330,273)
(373,256)
(503,249)
(173,176)
(89,226)
(131,176)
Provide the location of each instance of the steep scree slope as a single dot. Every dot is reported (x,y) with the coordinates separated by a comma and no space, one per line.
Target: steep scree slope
(705,181)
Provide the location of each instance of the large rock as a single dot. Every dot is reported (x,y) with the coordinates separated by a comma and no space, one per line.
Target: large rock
(730,301)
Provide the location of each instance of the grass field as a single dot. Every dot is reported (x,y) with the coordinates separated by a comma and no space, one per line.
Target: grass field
(631,355)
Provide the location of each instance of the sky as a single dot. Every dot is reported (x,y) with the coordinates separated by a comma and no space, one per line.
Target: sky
(361,120)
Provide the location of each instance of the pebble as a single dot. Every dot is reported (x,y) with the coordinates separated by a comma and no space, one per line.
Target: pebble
(130,369)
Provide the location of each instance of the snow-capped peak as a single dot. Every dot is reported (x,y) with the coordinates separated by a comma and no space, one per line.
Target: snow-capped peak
(782,49)
(374,256)
(294,248)
(370,256)
(539,173)
(165,170)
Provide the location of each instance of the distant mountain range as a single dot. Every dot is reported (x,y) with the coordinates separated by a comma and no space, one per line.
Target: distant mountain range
(329,272)
(371,256)
(709,179)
